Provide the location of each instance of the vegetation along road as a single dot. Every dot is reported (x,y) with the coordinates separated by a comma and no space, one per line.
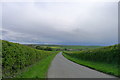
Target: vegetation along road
(63,68)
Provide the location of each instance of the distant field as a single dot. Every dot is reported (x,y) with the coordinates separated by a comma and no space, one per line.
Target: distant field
(80,47)
(73,46)
(66,47)
(55,47)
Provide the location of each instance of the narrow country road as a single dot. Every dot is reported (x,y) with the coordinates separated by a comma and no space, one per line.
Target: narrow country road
(63,68)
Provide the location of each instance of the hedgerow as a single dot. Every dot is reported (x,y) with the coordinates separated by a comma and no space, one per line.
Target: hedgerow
(16,57)
(108,54)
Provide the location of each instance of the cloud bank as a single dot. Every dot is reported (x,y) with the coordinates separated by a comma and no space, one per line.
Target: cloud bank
(71,23)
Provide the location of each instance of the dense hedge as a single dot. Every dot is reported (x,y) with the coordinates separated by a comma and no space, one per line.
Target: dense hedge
(108,54)
(16,57)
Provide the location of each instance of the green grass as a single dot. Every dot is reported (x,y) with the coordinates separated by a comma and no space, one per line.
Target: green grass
(80,47)
(75,47)
(39,70)
(102,67)
(66,46)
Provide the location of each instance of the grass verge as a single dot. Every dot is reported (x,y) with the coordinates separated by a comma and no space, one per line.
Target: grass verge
(39,70)
(102,67)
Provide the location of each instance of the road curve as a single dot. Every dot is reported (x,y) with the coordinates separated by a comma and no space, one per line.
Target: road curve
(63,68)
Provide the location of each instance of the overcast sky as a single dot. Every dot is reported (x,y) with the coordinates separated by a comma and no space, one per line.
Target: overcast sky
(70,23)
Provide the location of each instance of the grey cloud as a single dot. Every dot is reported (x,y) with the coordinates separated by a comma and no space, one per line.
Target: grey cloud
(62,23)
